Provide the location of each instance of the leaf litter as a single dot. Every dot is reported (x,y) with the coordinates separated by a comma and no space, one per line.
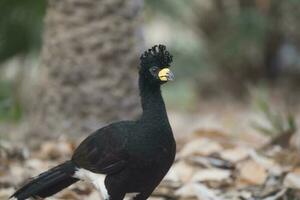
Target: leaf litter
(207,167)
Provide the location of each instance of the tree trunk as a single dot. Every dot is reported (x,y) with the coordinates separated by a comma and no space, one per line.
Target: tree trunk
(89,66)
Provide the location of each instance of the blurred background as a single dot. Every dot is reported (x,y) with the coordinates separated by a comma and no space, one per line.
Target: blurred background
(68,67)
(233,59)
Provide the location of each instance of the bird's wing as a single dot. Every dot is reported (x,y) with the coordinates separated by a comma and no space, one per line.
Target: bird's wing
(103,152)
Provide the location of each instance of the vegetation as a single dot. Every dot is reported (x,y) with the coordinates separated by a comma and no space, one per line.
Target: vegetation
(232,44)
(10,108)
(20,27)
(228,56)
(240,42)
(278,122)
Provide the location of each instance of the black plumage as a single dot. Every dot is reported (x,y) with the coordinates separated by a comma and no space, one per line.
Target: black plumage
(49,182)
(134,155)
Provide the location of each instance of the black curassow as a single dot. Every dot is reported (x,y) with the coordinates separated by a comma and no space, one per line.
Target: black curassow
(123,157)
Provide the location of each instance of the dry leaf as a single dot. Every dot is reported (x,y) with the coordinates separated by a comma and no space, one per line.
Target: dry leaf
(211,162)
(269,164)
(278,195)
(187,191)
(68,195)
(292,179)
(202,192)
(156,198)
(180,172)
(235,155)
(211,175)
(253,173)
(55,149)
(93,196)
(266,162)
(6,192)
(203,170)
(201,146)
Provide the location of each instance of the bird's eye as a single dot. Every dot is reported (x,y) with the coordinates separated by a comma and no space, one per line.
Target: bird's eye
(153,70)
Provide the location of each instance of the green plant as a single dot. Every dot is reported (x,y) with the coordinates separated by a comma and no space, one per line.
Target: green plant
(10,107)
(20,27)
(278,123)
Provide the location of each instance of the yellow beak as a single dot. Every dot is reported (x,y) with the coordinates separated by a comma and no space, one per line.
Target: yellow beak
(166,75)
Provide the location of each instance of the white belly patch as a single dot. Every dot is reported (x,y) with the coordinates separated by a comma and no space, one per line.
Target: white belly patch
(96,179)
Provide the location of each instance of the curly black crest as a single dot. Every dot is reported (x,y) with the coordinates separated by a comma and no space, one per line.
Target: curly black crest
(156,56)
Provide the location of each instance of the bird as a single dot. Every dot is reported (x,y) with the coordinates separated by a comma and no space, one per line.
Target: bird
(123,157)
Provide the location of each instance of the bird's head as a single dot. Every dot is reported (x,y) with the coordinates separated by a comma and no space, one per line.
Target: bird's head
(155,64)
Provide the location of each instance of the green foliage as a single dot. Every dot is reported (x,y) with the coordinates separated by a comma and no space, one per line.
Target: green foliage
(236,46)
(10,107)
(20,26)
(231,43)
(239,41)
(171,8)
(278,123)
(246,28)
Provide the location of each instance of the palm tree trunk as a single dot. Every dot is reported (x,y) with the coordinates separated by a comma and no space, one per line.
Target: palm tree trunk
(89,66)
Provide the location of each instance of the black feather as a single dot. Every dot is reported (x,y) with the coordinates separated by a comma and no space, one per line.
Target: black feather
(156,56)
(48,183)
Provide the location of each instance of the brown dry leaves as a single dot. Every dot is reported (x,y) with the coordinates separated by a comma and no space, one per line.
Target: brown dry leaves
(209,166)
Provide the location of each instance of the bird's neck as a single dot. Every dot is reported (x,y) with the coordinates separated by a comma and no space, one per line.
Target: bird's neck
(152,102)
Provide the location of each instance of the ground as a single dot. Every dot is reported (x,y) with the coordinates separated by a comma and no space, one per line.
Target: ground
(212,163)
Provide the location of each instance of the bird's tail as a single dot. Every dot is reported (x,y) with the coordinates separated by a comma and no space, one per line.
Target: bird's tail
(48,183)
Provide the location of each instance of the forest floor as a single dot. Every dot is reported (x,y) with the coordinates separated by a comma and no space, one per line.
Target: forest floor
(215,161)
